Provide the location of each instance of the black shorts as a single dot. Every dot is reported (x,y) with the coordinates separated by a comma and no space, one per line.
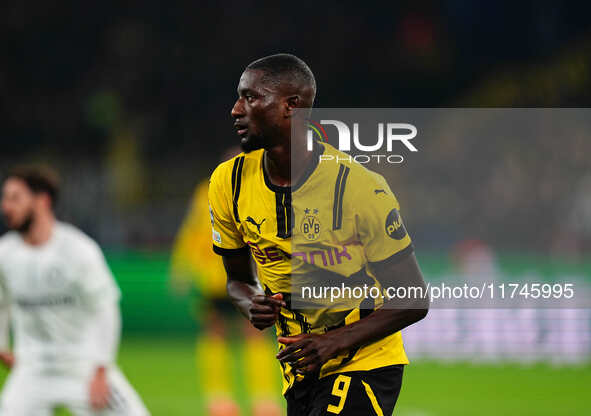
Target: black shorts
(355,393)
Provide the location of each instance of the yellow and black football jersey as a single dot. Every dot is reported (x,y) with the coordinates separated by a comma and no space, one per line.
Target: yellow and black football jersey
(327,229)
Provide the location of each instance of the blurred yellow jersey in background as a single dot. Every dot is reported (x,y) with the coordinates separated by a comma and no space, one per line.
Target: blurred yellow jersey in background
(192,260)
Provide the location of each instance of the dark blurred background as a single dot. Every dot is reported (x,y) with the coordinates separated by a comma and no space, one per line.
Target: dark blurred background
(130,100)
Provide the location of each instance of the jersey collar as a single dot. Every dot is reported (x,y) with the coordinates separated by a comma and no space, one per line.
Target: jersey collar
(318,150)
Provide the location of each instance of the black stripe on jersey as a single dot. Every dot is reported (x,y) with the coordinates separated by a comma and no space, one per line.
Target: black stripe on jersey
(283,213)
(285,376)
(342,192)
(400,255)
(234,169)
(231,251)
(305,327)
(361,278)
(283,326)
(236,182)
(349,357)
(367,307)
(352,353)
(339,190)
(281,320)
(339,325)
(336,197)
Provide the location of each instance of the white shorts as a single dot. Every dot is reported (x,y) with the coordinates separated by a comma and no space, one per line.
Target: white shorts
(33,391)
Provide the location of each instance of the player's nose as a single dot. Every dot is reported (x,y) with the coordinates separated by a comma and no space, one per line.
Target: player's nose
(238,109)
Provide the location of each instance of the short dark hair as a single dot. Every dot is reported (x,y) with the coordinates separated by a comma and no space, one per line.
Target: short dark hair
(39,179)
(284,66)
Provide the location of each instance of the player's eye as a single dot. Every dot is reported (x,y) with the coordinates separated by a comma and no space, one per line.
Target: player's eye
(250,98)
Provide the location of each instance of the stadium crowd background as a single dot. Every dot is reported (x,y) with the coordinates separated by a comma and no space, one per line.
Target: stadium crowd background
(130,101)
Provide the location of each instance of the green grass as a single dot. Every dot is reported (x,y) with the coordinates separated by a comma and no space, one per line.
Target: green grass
(162,369)
(431,389)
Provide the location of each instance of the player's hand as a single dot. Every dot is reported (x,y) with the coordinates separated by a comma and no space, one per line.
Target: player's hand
(264,310)
(99,389)
(308,352)
(7,358)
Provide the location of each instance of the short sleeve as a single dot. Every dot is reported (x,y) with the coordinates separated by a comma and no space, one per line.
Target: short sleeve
(227,239)
(379,221)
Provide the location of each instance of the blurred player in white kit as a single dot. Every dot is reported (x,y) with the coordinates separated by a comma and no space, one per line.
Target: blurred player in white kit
(63,305)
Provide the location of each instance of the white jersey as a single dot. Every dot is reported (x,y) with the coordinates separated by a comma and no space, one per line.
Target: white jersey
(58,295)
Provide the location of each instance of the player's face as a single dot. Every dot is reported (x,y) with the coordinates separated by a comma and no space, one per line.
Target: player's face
(17,204)
(257,113)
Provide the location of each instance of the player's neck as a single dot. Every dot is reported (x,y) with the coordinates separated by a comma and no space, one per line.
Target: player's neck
(40,230)
(283,169)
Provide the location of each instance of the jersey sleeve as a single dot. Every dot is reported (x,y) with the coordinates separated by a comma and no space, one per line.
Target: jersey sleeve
(105,331)
(4,300)
(227,239)
(4,313)
(379,221)
(96,283)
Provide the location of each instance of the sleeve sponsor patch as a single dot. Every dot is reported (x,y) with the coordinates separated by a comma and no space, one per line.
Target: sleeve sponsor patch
(394,226)
(217,237)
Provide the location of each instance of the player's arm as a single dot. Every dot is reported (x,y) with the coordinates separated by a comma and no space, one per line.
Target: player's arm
(307,353)
(389,251)
(105,331)
(246,294)
(248,297)
(100,295)
(6,356)
(395,314)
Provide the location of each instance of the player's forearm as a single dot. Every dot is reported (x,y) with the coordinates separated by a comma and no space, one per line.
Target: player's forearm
(99,389)
(396,313)
(242,293)
(242,284)
(377,325)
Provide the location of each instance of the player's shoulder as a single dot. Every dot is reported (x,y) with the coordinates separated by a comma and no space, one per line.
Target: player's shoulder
(239,166)
(343,164)
(8,240)
(76,241)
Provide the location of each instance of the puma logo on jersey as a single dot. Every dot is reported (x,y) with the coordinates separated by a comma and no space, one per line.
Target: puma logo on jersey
(253,222)
(379,191)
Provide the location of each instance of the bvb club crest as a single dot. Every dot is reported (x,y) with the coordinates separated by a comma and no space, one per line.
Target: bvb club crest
(310,226)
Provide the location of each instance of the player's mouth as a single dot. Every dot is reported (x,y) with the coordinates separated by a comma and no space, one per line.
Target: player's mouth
(241,129)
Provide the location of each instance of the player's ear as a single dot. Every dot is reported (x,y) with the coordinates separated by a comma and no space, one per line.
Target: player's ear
(292,102)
